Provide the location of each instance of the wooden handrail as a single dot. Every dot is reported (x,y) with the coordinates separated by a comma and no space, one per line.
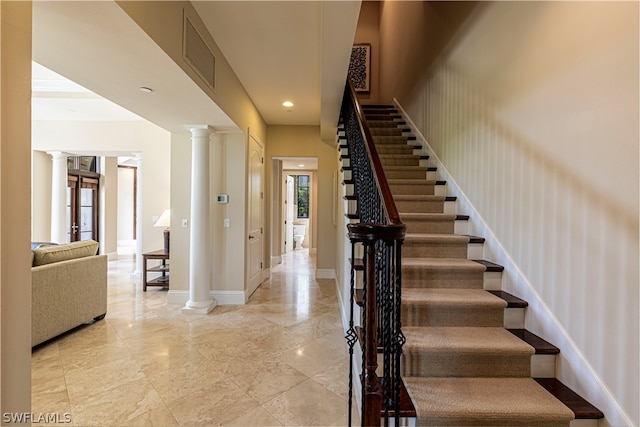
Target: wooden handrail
(376,164)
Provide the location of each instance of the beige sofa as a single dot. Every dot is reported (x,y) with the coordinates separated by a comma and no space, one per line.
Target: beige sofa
(69,288)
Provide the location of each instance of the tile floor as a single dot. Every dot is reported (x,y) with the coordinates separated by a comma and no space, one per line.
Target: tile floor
(281,359)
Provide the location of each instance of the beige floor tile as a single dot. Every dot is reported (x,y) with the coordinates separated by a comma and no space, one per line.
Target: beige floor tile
(118,406)
(264,381)
(221,402)
(278,360)
(255,417)
(307,404)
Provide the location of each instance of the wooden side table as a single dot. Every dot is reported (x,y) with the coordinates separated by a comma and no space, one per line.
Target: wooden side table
(163,269)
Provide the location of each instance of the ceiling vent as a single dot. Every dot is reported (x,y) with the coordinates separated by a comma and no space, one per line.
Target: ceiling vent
(198,55)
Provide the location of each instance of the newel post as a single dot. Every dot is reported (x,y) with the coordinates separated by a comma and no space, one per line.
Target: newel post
(372,389)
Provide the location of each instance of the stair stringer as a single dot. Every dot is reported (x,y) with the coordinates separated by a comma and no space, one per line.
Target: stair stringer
(572,368)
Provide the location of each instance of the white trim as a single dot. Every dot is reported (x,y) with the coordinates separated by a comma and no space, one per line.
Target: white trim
(180,297)
(275,260)
(325,273)
(266,275)
(573,368)
(177,297)
(229,297)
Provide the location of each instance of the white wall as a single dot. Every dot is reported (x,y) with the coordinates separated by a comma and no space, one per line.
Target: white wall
(533,110)
(126,203)
(113,138)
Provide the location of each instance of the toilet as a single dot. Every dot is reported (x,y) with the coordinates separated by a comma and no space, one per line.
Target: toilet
(298,235)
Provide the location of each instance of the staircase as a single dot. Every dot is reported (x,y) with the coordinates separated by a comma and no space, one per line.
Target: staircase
(467,360)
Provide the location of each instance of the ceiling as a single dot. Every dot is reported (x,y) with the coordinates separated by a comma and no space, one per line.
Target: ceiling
(291,50)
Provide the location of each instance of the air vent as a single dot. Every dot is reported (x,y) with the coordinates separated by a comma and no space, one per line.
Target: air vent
(198,55)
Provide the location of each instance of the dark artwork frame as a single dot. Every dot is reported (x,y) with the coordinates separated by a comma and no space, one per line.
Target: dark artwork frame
(360,67)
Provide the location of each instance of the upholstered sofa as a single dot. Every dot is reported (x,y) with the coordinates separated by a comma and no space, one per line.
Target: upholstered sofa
(69,288)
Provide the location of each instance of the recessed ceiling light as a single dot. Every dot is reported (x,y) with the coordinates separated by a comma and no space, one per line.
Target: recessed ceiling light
(287,104)
(300,166)
(146,89)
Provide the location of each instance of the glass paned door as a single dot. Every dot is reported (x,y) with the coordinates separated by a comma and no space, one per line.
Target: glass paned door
(82,207)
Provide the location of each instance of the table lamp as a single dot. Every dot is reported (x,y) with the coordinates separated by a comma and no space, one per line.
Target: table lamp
(165,221)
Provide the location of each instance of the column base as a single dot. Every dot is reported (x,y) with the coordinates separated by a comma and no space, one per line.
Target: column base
(201,307)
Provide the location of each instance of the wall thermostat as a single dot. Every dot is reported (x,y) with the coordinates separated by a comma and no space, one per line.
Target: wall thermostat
(222,198)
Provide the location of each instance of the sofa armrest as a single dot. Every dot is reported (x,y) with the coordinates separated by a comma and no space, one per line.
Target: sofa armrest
(66,294)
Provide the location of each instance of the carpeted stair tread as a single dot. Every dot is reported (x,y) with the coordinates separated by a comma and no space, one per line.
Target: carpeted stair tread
(410,181)
(464,351)
(418,245)
(444,264)
(485,402)
(452,297)
(468,340)
(426,216)
(459,273)
(396,139)
(436,223)
(451,307)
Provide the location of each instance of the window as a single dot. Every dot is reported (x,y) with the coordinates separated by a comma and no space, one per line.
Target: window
(302,194)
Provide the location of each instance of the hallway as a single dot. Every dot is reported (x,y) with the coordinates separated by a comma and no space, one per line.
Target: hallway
(281,359)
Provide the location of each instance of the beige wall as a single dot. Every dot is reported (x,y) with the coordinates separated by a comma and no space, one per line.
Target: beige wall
(15,207)
(228,176)
(532,107)
(368,32)
(163,22)
(304,141)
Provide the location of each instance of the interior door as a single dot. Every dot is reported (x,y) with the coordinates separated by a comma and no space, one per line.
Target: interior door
(288,223)
(256,218)
(82,207)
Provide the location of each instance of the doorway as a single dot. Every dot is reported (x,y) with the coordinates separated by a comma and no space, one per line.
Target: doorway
(295,193)
(83,210)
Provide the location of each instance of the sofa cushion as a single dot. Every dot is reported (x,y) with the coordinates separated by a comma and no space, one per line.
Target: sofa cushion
(50,254)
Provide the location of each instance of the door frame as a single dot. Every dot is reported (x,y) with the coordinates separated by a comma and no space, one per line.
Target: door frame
(251,284)
(93,180)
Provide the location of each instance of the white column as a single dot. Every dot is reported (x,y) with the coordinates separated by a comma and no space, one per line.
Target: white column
(59,197)
(200,300)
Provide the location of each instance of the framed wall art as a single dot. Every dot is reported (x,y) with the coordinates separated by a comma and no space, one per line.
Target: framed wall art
(360,66)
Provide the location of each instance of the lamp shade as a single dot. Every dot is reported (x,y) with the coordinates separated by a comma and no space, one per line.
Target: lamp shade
(164,220)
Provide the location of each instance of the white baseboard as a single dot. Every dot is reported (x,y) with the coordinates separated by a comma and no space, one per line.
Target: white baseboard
(275,260)
(313,250)
(266,274)
(180,297)
(229,297)
(325,273)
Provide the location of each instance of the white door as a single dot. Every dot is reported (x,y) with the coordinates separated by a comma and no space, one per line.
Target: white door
(255,220)
(288,223)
